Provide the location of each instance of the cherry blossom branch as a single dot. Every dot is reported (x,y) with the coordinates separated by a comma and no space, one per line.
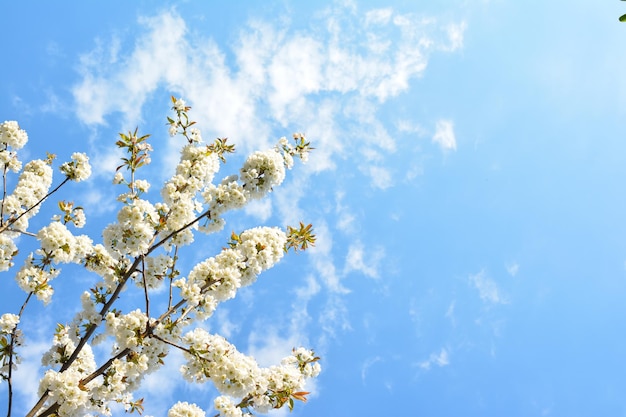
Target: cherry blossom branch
(10,221)
(92,328)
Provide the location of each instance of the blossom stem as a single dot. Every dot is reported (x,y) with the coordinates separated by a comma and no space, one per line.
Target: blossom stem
(11,348)
(10,221)
(104,367)
(4,192)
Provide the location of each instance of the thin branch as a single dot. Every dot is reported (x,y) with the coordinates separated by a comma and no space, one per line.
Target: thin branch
(11,356)
(10,221)
(104,367)
(10,229)
(145,286)
(4,192)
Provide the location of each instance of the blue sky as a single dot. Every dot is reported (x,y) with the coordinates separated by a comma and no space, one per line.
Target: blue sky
(465,188)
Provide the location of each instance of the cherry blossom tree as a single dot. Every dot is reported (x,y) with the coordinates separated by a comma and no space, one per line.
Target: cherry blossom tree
(140,252)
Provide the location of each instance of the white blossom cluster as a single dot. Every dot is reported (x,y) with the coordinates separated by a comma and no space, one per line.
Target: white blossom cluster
(31,188)
(58,245)
(8,322)
(261,172)
(218,278)
(194,172)
(7,251)
(65,388)
(21,205)
(10,338)
(31,278)
(102,263)
(76,392)
(134,231)
(32,185)
(235,375)
(184,409)
(78,169)
(227,407)
(155,270)
(11,136)
(61,245)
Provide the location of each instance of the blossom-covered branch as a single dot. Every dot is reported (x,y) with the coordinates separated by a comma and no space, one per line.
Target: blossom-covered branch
(141,249)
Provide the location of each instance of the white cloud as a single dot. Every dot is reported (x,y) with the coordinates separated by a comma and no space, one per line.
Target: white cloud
(29,371)
(367,365)
(226,327)
(334,317)
(440,359)
(358,260)
(450,313)
(304,294)
(160,386)
(378,16)
(268,347)
(321,255)
(512,268)
(345,216)
(444,135)
(456,33)
(381,177)
(487,288)
(261,209)
(294,77)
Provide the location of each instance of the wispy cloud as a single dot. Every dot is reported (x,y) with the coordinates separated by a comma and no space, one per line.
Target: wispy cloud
(440,359)
(261,209)
(345,217)
(328,80)
(322,258)
(444,135)
(487,288)
(358,260)
(512,268)
(369,362)
(450,313)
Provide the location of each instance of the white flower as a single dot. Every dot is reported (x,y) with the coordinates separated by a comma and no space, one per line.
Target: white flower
(79,219)
(9,159)
(261,172)
(7,252)
(184,409)
(8,322)
(134,231)
(227,407)
(77,170)
(64,388)
(32,186)
(58,242)
(127,328)
(195,135)
(12,135)
(155,270)
(118,178)
(142,185)
(33,279)
(179,104)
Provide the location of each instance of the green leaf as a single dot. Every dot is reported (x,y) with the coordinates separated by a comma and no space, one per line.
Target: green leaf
(622,18)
